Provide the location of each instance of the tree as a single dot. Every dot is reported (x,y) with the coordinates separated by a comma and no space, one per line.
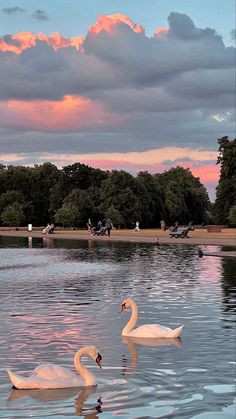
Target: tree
(13,215)
(82,176)
(67,215)
(120,191)
(232,216)
(184,197)
(9,197)
(226,189)
(115,216)
(84,201)
(150,199)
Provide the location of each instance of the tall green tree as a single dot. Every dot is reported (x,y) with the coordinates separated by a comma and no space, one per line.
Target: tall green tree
(68,215)
(184,197)
(120,191)
(226,189)
(150,200)
(13,215)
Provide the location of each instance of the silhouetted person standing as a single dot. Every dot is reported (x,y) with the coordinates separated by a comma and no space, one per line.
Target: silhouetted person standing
(108,225)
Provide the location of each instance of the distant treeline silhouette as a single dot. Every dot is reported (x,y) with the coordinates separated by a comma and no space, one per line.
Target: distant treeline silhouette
(71,195)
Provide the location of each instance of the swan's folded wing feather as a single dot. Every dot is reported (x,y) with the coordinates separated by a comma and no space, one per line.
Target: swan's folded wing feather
(50,371)
(151,330)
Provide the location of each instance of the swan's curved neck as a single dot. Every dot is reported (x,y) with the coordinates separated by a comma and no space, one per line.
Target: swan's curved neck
(133,319)
(88,377)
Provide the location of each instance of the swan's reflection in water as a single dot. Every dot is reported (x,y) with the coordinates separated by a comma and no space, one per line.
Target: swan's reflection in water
(132,343)
(88,411)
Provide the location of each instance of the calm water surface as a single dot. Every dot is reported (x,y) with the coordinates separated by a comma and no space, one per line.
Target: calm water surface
(57,296)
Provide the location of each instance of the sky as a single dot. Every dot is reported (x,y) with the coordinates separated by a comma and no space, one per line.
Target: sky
(117,84)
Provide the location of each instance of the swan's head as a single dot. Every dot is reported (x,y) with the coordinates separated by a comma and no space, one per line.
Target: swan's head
(126,303)
(94,353)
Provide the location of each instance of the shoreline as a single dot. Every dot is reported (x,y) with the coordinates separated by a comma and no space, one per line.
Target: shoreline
(227,237)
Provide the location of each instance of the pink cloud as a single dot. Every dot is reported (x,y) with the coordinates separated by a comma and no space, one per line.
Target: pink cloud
(24,40)
(110,22)
(69,114)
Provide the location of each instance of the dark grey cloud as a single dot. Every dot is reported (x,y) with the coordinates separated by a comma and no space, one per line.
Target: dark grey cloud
(176,90)
(12,10)
(10,41)
(40,15)
(195,163)
(181,26)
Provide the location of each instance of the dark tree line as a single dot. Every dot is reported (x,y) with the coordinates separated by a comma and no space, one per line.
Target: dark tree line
(225,204)
(69,196)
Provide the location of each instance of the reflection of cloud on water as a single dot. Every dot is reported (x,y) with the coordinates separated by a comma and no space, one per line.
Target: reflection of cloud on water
(55,395)
(210,267)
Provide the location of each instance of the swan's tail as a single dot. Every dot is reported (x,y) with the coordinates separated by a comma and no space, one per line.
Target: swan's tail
(15,379)
(176,332)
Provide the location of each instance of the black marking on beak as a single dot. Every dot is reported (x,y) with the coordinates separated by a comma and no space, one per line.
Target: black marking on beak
(123,307)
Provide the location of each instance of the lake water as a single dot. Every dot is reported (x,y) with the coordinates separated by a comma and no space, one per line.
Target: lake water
(57,296)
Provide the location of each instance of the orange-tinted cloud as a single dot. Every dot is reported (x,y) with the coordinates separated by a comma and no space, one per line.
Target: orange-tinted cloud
(110,22)
(69,114)
(161,32)
(24,40)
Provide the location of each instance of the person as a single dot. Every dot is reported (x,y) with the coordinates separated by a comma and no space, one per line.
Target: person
(163,225)
(89,225)
(97,229)
(99,225)
(51,229)
(108,225)
(136,226)
(46,229)
(175,226)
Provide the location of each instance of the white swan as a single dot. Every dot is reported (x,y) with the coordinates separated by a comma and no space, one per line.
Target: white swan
(54,376)
(147,330)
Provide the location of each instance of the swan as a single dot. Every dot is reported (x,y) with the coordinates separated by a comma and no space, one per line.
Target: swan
(147,330)
(54,376)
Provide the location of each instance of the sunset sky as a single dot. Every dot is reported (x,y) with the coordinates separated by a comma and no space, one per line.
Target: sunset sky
(117,84)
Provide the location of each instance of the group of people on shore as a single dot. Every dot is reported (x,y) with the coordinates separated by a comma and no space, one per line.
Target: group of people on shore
(101,228)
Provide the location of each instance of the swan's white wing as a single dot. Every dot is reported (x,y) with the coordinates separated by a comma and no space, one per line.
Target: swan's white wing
(151,330)
(50,371)
(44,380)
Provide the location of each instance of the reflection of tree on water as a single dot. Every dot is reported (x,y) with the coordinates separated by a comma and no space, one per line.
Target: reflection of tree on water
(228,281)
(88,411)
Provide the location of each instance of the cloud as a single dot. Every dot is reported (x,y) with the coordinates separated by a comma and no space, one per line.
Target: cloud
(233,34)
(21,41)
(40,15)
(116,90)
(12,10)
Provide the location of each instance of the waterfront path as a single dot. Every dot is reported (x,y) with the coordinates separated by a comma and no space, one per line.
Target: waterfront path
(227,237)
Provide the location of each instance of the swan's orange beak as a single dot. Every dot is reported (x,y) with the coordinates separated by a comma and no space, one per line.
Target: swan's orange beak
(123,307)
(98,360)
